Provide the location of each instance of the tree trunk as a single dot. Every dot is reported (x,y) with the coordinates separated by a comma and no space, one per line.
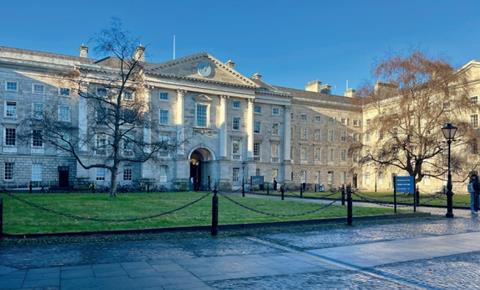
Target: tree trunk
(113,181)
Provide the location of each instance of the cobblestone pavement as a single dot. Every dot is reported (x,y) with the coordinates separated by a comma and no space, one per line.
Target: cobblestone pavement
(300,257)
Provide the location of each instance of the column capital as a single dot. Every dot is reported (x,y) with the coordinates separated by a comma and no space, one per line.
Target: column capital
(224,97)
(181,92)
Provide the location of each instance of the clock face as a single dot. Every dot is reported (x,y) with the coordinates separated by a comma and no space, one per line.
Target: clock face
(204,69)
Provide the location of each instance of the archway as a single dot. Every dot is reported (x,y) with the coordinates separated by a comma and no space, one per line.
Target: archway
(200,169)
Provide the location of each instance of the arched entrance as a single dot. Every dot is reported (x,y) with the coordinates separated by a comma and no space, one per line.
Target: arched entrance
(200,169)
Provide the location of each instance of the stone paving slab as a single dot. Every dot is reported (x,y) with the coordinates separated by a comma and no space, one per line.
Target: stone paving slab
(374,254)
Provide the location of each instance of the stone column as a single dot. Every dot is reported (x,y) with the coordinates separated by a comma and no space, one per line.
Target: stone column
(286,167)
(249,129)
(83,123)
(147,167)
(179,121)
(222,127)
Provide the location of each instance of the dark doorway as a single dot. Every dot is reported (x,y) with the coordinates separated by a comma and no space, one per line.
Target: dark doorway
(196,170)
(63,175)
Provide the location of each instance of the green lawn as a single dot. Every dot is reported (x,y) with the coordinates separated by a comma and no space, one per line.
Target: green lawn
(20,218)
(462,200)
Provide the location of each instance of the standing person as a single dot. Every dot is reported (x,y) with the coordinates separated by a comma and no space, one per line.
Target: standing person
(274,184)
(473,186)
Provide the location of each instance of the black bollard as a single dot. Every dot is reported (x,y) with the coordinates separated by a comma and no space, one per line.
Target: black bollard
(214,229)
(394,195)
(349,206)
(30,187)
(268,188)
(1,217)
(243,189)
(343,194)
(417,195)
(282,191)
(301,190)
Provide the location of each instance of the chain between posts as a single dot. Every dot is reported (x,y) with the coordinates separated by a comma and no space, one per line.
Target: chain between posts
(77,217)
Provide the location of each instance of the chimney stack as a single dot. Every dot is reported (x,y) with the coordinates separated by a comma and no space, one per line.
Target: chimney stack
(230,64)
(350,93)
(257,76)
(83,50)
(317,87)
(140,53)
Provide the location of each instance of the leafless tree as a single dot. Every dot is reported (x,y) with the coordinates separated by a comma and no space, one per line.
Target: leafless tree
(116,99)
(413,98)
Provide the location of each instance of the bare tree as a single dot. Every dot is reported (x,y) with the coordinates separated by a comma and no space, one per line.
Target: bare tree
(113,91)
(413,98)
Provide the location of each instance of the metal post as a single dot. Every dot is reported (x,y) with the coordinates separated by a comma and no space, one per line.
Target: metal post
(301,189)
(268,188)
(394,194)
(243,189)
(417,195)
(30,187)
(414,197)
(449,186)
(214,229)
(349,206)
(343,194)
(282,190)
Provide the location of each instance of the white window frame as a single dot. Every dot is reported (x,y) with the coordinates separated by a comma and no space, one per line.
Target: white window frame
(163,174)
(236,105)
(6,110)
(60,115)
(163,93)
(5,137)
(127,150)
(207,113)
(160,116)
(39,85)
(237,155)
(255,123)
(275,129)
(127,172)
(37,172)
(100,174)
(33,139)
(275,111)
(9,90)
(99,137)
(258,146)
(235,175)
(274,149)
(239,123)
(34,115)
(259,111)
(12,171)
(64,95)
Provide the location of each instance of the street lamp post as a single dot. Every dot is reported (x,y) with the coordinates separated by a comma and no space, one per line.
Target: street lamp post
(449,131)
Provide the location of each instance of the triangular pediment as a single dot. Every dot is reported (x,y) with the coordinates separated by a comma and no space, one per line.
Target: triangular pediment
(201,67)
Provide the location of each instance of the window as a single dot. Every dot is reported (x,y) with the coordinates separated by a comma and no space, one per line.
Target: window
(11,86)
(102,116)
(10,136)
(274,149)
(257,125)
(37,111)
(474,99)
(343,155)
(473,147)
(37,170)
(202,110)
(101,145)
(100,174)
(64,92)
(9,170)
(343,121)
(64,113)
(274,173)
(332,153)
(343,137)
(127,174)
(317,154)
(318,119)
(303,117)
(257,109)
(128,96)
(38,89)
(317,134)
(257,172)
(164,117)
(304,133)
(275,111)
(356,123)
(256,151)
(163,173)
(330,135)
(127,147)
(474,120)
(11,109)
(330,178)
(236,174)
(236,123)
(37,140)
(102,92)
(236,150)
(275,130)
(163,96)
(236,105)
(303,154)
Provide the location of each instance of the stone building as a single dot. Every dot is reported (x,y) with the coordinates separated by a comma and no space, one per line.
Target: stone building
(235,126)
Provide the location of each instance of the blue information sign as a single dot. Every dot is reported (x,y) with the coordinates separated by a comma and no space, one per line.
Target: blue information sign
(405,184)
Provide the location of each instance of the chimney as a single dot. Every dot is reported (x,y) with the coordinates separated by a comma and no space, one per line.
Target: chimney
(385,89)
(140,53)
(317,87)
(257,76)
(83,50)
(230,64)
(349,93)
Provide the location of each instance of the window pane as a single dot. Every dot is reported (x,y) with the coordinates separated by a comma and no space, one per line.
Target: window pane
(37,172)
(10,136)
(9,170)
(164,116)
(201,115)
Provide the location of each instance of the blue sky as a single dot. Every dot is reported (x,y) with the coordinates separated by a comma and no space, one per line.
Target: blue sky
(288,42)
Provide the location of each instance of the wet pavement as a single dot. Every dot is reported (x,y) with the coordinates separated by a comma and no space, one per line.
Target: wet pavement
(432,253)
